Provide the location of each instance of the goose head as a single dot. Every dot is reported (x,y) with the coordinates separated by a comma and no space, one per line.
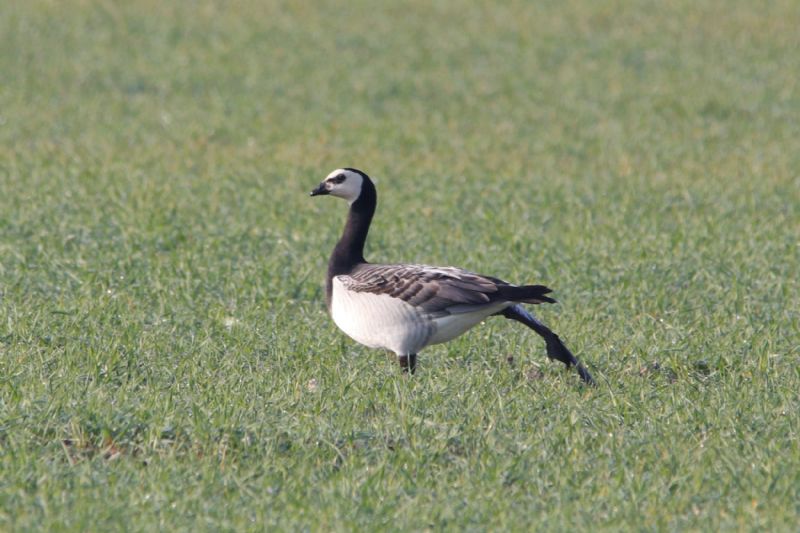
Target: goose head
(344,183)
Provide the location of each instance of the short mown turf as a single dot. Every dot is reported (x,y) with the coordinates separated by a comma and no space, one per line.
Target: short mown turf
(166,361)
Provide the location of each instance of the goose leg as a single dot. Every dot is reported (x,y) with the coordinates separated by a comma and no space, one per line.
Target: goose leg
(408,362)
(555,348)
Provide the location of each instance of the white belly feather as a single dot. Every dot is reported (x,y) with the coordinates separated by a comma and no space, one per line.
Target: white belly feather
(451,326)
(381,321)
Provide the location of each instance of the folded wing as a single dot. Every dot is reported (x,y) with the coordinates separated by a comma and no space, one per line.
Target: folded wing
(440,290)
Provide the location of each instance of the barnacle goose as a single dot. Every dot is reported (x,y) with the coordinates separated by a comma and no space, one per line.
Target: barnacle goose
(404,308)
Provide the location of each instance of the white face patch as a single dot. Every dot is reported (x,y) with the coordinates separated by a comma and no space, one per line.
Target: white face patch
(349,189)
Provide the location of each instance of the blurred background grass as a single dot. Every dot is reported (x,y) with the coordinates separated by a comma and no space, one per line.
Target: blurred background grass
(165,356)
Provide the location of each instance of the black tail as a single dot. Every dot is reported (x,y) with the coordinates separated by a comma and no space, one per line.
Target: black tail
(529,294)
(555,348)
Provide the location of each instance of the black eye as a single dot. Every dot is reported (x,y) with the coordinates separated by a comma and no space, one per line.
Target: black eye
(339,179)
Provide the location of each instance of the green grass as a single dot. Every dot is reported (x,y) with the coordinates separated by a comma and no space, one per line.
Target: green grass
(162,323)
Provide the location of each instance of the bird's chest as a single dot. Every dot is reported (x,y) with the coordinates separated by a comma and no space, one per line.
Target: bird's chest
(378,320)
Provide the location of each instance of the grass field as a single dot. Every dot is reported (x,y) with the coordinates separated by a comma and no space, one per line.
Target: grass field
(166,361)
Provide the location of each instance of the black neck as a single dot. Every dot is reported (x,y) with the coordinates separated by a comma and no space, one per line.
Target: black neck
(349,251)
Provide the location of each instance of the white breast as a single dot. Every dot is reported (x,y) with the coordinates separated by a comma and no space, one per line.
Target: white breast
(379,321)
